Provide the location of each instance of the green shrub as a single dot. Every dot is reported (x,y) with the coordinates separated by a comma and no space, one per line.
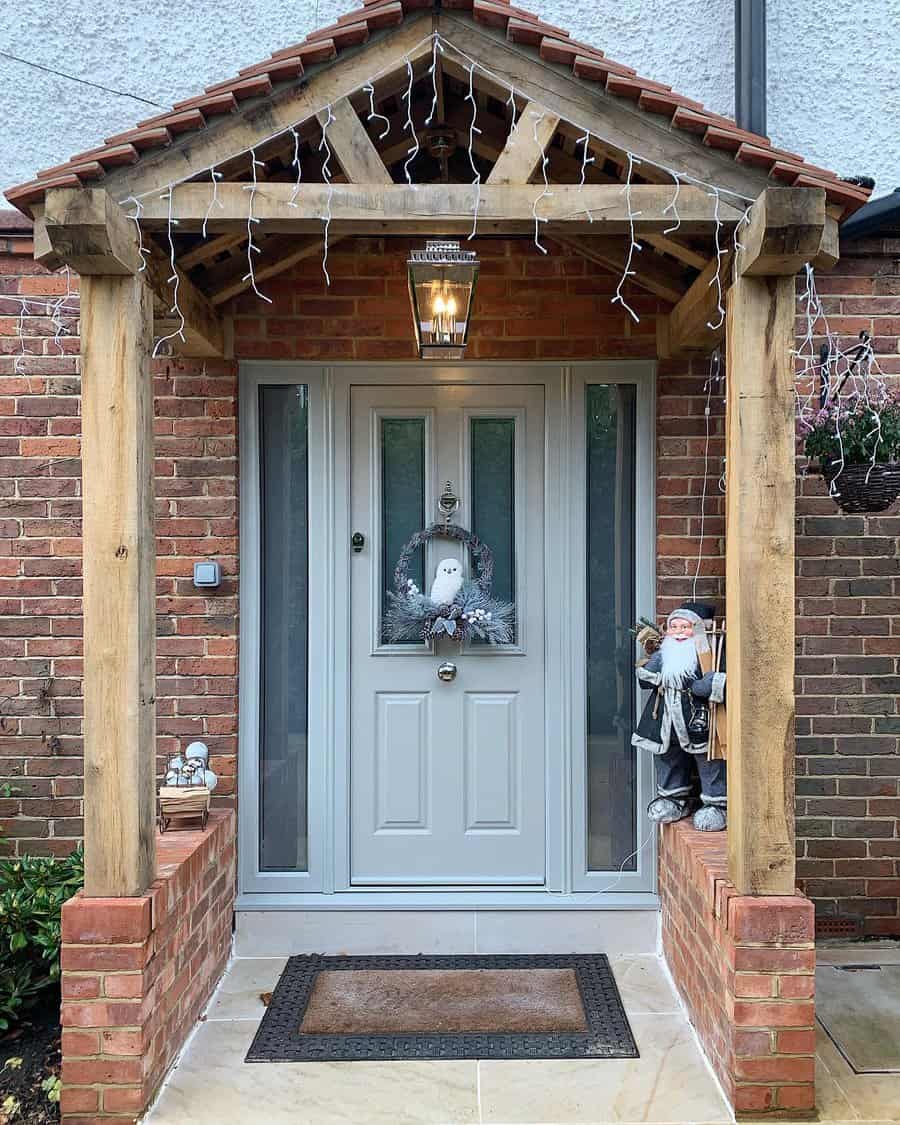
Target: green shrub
(32,891)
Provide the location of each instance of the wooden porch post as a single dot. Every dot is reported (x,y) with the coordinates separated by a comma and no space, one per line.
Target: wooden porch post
(89,231)
(788,228)
(119,585)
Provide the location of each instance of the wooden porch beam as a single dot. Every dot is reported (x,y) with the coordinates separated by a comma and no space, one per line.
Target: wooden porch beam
(653,276)
(119,586)
(525,146)
(87,230)
(437,208)
(278,254)
(352,145)
(203,329)
(788,227)
(690,320)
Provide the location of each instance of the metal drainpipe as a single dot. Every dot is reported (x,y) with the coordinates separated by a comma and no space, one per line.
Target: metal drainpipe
(750,65)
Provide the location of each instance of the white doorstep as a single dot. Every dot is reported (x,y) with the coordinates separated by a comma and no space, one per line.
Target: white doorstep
(282,933)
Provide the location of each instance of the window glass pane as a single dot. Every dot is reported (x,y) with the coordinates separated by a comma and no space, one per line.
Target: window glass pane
(493,498)
(283,841)
(402,497)
(611,760)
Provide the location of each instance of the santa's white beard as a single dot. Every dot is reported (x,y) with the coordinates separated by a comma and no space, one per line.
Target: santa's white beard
(679,661)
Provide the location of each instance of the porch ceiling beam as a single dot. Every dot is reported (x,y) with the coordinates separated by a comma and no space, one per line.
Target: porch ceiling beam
(654,277)
(438,208)
(525,146)
(678,250)
(352,145)
(690,320)
(210,248)
(278,254)
(788,227)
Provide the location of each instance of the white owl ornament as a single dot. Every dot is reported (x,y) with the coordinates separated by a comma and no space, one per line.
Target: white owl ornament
(447,582)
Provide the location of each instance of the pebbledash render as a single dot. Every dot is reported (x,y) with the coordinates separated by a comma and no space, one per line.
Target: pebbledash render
(146,942)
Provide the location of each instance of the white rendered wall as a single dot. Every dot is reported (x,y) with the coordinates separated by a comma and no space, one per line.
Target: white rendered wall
(833,90)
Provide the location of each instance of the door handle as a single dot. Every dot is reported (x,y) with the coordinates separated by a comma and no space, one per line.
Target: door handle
(446,672)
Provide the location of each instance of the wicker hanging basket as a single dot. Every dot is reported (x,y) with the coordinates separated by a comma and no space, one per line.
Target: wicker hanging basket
(863,487)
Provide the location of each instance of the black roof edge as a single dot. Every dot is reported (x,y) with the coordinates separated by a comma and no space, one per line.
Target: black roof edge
(14,222)
(873,217)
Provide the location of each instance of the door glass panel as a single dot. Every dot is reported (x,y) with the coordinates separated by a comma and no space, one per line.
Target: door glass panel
(283,839)
(493,453)
(611,760)
(402,497)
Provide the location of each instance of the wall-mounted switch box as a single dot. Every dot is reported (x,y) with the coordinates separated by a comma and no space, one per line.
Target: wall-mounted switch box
(206,574)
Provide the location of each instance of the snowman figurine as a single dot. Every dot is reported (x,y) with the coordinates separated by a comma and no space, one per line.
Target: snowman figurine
(191,768)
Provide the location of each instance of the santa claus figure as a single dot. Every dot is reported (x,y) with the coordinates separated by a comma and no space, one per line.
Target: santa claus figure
(675,724)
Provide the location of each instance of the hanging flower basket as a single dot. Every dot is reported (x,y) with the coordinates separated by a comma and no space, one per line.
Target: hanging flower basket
(864,488)
(411,615)
(857,444)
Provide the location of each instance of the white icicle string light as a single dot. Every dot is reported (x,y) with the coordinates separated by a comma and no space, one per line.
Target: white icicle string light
(717,279)
(174,279)
(58,305)
(136,219)
(215,201)
(252,220)
(673,207)
(545,160)
(326,176)
(633,245)
(295,163)
(585,161)
(432,71)
(473,129)
(713,379)
(413,151)
(373,114)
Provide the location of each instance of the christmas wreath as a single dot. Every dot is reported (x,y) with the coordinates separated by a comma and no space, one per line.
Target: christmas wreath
(471,611)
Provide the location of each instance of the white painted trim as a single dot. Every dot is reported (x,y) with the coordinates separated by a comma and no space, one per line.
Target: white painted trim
(448,900)
(322,887)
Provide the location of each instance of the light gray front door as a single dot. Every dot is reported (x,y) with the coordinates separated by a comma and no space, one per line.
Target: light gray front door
(447,778)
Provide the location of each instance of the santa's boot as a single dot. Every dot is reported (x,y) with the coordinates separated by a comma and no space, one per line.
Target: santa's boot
(666,810)
(711,817)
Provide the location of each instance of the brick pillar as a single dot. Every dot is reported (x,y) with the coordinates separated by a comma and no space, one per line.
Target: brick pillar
(137,973)
(745,968)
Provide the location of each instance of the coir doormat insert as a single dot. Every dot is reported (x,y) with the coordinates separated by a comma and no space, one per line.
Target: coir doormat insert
(549,1006)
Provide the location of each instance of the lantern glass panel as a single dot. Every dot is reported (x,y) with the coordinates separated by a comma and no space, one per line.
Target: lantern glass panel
(441,295)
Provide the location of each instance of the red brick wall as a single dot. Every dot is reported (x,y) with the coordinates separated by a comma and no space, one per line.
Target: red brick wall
(745,967)
(137,973)
(848,645)
(529,306)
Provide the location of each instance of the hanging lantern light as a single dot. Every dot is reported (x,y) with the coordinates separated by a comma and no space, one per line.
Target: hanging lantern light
(441,284)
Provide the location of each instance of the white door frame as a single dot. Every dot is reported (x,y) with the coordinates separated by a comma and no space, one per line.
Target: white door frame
(327,883)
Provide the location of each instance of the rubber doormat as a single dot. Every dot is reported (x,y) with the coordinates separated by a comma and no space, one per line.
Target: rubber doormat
(548,1006)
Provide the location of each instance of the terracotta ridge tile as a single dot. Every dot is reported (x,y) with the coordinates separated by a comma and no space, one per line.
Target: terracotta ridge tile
(257,85)
(142,138)
(182,121)
(211,104)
